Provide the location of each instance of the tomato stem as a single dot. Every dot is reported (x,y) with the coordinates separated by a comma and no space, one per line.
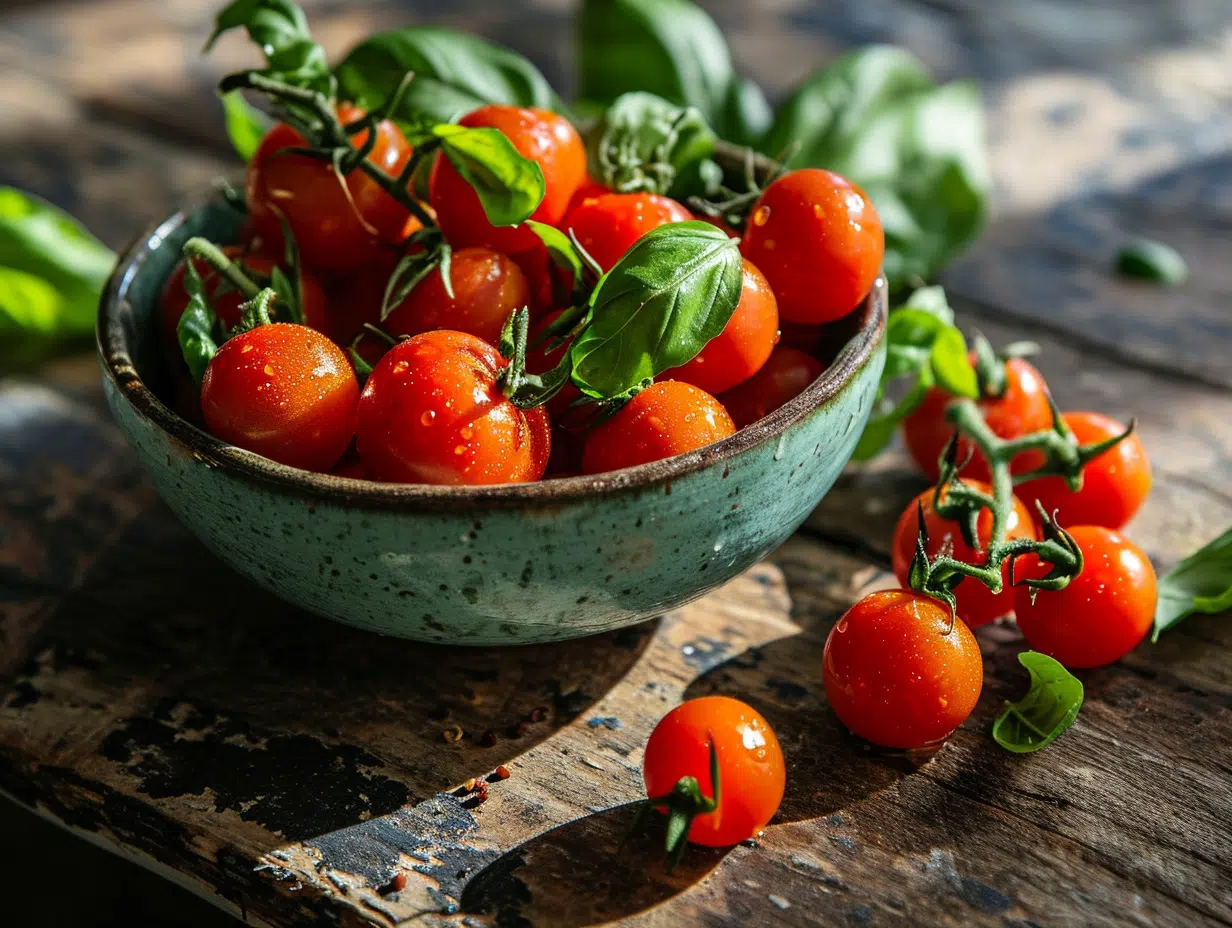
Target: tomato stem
(683,804)
(205,250)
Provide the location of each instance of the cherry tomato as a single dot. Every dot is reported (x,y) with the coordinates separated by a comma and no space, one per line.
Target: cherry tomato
(897,674)
(539,135)
(977,604)
(783,377)
(336,223)
(432,412)
(590,190)
(665,419)
(818,240)
(284,391)
(1114,485)
(607,226)
(1104,612)
(744,345)
(750,762)
(1022,409)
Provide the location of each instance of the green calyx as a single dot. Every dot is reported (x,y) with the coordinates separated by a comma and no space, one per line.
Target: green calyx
(526,390)
(683,804)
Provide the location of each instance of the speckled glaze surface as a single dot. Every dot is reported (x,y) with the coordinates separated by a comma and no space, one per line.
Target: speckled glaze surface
(497,565)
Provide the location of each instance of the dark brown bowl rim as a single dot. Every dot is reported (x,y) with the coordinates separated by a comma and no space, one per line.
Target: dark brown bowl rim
(118,367)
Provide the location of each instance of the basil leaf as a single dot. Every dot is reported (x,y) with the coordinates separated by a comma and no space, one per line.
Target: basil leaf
(246,125)
(509,186)
(644,144)
(747,115)
(670,48)
(672,292)
(198,326)
(53,270)
(280,29)
(1153,261)
(1200,583)
(455,73)
(1050,706)
(560,247)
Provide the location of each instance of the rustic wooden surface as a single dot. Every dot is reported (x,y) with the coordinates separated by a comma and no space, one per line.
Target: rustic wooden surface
(289,768)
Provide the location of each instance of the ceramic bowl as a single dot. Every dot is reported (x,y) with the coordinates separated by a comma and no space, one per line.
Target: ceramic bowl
(480,565)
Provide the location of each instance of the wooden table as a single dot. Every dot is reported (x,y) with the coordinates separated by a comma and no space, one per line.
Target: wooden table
(288,768)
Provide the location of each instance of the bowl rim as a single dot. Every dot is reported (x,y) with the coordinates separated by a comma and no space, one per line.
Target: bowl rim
(118,367)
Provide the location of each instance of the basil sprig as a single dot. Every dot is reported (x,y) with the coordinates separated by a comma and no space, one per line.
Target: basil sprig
(1050,706)
(1201,582)
(280,29)
(509,186)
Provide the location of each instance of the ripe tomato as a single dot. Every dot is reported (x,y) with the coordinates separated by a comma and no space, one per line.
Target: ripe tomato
(590,190)
(432,412)
(1103,613)
(487,287)
(539,135)
(744,345)
(783,377)
(284,391)
(665,419)
(336,223)
(607,226)
(750,762)
(1022,409)
(1114,485)
(818,240)
(977,604)
(893,673)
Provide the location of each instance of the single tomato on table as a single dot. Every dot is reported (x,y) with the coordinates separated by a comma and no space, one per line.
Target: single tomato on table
(607,226)
(785,375)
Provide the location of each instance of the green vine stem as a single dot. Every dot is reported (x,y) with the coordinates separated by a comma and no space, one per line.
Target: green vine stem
(683,804)
(204,250)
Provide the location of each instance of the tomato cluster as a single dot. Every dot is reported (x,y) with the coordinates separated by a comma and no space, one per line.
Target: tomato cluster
(434,407)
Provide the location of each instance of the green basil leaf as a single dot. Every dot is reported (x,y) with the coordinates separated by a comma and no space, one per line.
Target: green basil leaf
(1154,261)
(509,186)
(29,304)
(931,300)
(1050,706)
(672,292)
(951,367)
(560,247)
(747,115)
(198,328)
(670,48)
(280,29)
(246,125)
(1200,583)
(455,73)
(644,144)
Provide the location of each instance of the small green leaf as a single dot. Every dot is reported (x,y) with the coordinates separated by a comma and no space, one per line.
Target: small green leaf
(246,125)
(197,330)
(1154,261)
(1200,583)
(280,29)
(509,186)
(560,247)
(951,367)
(1050,706)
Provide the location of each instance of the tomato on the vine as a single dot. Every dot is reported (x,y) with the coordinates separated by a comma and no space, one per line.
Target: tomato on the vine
(784,376)
(1114,485)
(433,411)
(818,239)
(607,226)
(1102,614)
(284,391)
(752,775)
(744,345)
(665,419)
(977,604)
(896,672)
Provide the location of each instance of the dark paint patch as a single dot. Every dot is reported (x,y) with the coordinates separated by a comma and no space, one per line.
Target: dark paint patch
(609,722)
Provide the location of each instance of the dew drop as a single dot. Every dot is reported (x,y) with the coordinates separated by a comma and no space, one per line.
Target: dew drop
(269,370)
(819,211)
(761,215)
(718,546)
(427,417)
(781,448)
(246,349)
(400,367)
(459,450)
(467,432)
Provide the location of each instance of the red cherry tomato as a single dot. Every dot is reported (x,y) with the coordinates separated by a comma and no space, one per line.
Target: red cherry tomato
(336,223)
(539,135)
(284,391)
(607,226)
(744,345)
(487,287)
(665,419)
(818,240)
(783,377)
(1104,612)
(1114,485)
(897,674)
(977,604)
(750,762)
(1022,409)
(590,190)
(432,412)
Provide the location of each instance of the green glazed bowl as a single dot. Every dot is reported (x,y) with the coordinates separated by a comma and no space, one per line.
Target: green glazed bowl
(481,565)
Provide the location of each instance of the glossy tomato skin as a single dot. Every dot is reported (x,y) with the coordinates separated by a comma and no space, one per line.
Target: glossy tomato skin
(607,226)
(432,412)
(751,769)
(542,136)
(785,375)
(894,676)
(1104,612)
(665,419)
(487,288)
(818,239)
(744,345)
(334,232)
(977,605)
(590,190)
(1022,409)
(284,391)
(1114,485)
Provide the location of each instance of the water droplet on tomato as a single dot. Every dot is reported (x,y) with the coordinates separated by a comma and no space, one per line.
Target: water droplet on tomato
(427,417)
(459,450)
(400,367)
(269,370)
(761,215)
(467,432)
(819,211)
